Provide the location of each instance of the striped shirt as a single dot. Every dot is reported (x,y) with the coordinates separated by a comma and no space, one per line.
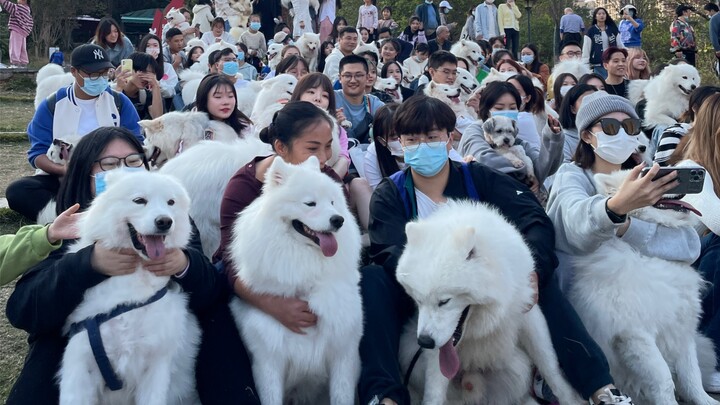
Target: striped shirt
(669,141)
(20,19)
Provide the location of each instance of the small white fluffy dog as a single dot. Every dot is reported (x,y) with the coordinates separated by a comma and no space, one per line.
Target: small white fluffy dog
(389,86)
(668,94)
(470,51)
(274,94)
(299,239)
(152,348)
(274,55)
(205,170)
(172,133)
(501,133)
(468,270)
(50,78)
(309,44)
(644,311)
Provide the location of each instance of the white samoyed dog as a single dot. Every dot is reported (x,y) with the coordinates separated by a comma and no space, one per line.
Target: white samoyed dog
(50,78)
(309,45)
(467,82)
(151,348)
(389,86)
(205,170)
(470,51)
(274,55)
(274,94)
(668,94)
(468,270)
(299,239)
(172,133)
(60,150)
(644,311)
(190,80)
(449,95)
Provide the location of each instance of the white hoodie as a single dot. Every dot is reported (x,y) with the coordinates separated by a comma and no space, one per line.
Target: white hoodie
(202,15)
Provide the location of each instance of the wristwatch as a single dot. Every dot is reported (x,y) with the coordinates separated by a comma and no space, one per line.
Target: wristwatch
(615,218)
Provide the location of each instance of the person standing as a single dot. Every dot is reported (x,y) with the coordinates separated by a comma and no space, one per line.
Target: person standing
(682,35)
(429,17)
(630,27)
(486,21)
(368,18)
(572,27)
(20,24)
(202,15)
(509,25)
(714,28)
(602,35)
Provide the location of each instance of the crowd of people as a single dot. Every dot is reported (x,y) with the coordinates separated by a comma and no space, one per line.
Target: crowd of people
(572,127)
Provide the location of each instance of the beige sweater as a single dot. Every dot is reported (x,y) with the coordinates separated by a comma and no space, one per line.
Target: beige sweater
(255,42)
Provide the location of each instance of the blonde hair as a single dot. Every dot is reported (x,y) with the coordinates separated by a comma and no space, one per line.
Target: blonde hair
(703,146)
(632,74)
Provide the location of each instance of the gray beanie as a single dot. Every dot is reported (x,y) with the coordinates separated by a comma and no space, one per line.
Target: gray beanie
(594,106)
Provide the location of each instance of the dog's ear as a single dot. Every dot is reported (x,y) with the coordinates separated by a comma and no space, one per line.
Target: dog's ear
(312,163)
(152,126)
(413,232)
(278,172)
(515,127)
(489,126)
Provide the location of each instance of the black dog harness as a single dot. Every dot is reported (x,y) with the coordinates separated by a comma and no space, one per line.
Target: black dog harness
(92,325)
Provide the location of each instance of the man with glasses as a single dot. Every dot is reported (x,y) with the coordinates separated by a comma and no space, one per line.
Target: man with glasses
(570,50)
(76,110)
(359,108)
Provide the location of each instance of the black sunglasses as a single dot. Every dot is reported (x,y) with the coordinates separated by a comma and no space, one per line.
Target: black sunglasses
(611,126)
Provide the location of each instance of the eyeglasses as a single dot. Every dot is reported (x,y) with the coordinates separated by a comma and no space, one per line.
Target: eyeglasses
(113,162)
(356,76)
(412,142)
(95,75)
(573,54)
(611,126)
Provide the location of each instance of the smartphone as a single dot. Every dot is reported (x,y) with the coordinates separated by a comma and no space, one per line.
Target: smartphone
(691,178)
(126,65)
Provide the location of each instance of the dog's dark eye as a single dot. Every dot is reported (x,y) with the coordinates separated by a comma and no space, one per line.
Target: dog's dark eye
(310,204)
(171,202)
(443,302)
(140,201)
(685,77)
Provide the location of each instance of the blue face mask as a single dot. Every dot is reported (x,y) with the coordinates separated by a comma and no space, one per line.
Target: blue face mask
(230,68)
(512,114)
(94,87)
(255,26)
(241,55)
(527,59)
(101,185)
(427,159)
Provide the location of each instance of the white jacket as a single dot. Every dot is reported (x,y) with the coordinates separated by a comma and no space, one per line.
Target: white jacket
(332,64)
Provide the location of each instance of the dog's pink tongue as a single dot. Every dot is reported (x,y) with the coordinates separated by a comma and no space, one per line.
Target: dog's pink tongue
(328,244)
(449,360)
(155,246)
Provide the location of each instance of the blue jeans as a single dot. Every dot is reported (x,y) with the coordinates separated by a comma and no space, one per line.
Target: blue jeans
(708,265)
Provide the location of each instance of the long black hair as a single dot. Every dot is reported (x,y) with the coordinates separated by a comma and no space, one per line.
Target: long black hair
(291,121)
(566,115)
(75,186)
(237,120)
(535,65)
(159,58)
(382,130)
(608,20)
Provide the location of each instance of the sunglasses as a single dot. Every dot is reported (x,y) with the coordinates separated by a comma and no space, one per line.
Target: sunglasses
(611,126)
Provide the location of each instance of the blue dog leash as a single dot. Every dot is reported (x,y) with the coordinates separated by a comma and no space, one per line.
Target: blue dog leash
(92,325)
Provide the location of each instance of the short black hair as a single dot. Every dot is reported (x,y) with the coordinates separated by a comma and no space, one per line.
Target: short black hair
(421,114)
(422,47)
(440,58)
(214,57)
(569,43)
(353,59)
(224,52)
(172,32)
(290,122)
(680,9)
(347,30)
(141,62)
(711,7)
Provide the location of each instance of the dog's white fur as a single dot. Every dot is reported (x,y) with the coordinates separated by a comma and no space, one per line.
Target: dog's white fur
(175,132)
(271,98)
(470,51)
(287,365)
(668,94)
(50,78)
(467,255)
(274,55)
(152,349)
(60,150)
(407,77)
(449,95)
(309,44)
(190,80)
(467,82)
(193,43)
(649,332)
(574,66)
(501,132)
(244,8)
(204,171)
(389,86)
(363,47)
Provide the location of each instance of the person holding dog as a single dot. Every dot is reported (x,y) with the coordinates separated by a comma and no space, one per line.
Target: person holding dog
(424,125)
(77,110)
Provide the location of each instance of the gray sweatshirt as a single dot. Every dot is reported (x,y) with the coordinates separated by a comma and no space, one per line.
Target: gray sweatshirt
(546,159)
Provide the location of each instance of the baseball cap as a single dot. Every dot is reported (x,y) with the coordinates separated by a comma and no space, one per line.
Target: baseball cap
(445,4)
(90,58)
(627,7)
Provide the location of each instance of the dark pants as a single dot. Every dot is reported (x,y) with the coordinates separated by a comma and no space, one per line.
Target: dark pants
(29,195)
(572,37)
(387,308)
(512,41)
(689,57)
(36,383)
(709,267)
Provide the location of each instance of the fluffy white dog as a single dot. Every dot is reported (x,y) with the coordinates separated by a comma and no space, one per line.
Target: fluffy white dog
(468,270)
(274,94)
(389,86)
(449,95)
(470,51)
(274,55)
(467,82)
(299,239)
(668,94)
(644,311)
(205,170)
(50,78)
(309,44)
(172,133)
(60,150)
(152,347)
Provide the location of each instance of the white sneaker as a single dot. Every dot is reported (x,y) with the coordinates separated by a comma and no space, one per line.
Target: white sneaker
(711,382)
(612,396)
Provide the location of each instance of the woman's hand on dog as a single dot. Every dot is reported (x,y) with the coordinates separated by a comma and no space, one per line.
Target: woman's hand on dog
(293,313)
(64,226)
(637,192)
(175,261)
(114,262)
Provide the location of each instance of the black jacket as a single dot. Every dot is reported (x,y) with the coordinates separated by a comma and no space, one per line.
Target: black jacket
(512,198)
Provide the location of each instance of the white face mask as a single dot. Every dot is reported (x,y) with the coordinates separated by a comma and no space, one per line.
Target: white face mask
(153,51)
(615,149)
(564,90)
(395,148)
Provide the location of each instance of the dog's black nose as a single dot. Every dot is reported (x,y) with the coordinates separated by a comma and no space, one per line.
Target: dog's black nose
(163,223)
(426,342)
(337,221)
(642,148)
(506,141)
(693,87)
